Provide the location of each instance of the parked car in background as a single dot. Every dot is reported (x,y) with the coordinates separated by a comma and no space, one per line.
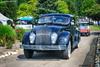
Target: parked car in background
(53,32)
(24,22)
(84,28)
(5,20)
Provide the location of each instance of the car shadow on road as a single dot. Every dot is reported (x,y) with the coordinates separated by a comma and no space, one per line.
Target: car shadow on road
(42,57)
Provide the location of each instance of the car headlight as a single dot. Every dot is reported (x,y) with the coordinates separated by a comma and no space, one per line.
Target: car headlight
(54,38)
(32,37)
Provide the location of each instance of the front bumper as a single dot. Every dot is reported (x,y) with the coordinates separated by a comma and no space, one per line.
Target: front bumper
(84,31)
(44,47)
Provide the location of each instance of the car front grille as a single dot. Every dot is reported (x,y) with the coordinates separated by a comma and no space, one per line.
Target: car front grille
(43,37)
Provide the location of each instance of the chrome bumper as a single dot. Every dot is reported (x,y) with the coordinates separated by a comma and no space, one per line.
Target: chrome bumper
(44,47)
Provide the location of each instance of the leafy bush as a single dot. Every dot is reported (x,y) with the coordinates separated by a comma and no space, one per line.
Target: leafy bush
(95,28)
(20,32)
(7,36)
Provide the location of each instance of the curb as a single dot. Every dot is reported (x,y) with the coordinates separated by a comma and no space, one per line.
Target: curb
(8,53)
(97,57)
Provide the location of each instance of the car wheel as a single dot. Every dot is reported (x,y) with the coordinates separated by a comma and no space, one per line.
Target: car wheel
(67,52)
(28,53)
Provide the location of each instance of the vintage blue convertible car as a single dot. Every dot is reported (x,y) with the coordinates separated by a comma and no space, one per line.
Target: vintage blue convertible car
(53,32)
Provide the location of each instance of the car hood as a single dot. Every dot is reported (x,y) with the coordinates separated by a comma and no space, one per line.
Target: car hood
(48,28)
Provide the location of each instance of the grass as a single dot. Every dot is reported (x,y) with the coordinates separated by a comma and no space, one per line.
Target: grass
(95,28)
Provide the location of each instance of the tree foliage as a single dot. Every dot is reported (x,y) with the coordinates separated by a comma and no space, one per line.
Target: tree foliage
(87,4)
(8,8)
(94,12)
(80,6)
(62,6)
(37,7)
(27,8)
(21,1)
(46,6)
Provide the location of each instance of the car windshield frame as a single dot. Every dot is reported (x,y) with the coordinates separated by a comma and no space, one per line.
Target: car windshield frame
(54,20)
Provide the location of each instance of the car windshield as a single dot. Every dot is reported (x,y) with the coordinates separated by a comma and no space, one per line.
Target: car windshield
(54,19)
(83,24)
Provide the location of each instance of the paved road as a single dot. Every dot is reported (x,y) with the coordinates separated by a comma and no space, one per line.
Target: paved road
(50,60)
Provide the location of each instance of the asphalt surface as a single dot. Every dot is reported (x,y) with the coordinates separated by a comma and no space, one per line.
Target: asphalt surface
(50,59)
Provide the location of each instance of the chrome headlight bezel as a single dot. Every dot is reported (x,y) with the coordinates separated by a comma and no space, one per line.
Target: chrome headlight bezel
(54,37)
(32,37)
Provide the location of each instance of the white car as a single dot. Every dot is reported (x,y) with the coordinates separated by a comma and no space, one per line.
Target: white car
(28,27)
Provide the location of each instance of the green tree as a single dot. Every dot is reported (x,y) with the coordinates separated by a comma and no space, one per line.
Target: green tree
(8,8)
(87,4)
(62,7)
(46,6)
(21,1)
(27,8)
(52,6)
(94,12)
(37,7)
(79,7)
(71,5)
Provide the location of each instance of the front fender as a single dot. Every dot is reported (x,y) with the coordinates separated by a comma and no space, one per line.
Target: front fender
(64,38)
(25,39)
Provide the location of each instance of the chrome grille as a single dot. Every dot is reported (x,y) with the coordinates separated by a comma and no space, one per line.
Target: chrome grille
(43,37)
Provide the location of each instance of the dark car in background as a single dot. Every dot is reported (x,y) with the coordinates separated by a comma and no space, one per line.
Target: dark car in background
(53,32)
